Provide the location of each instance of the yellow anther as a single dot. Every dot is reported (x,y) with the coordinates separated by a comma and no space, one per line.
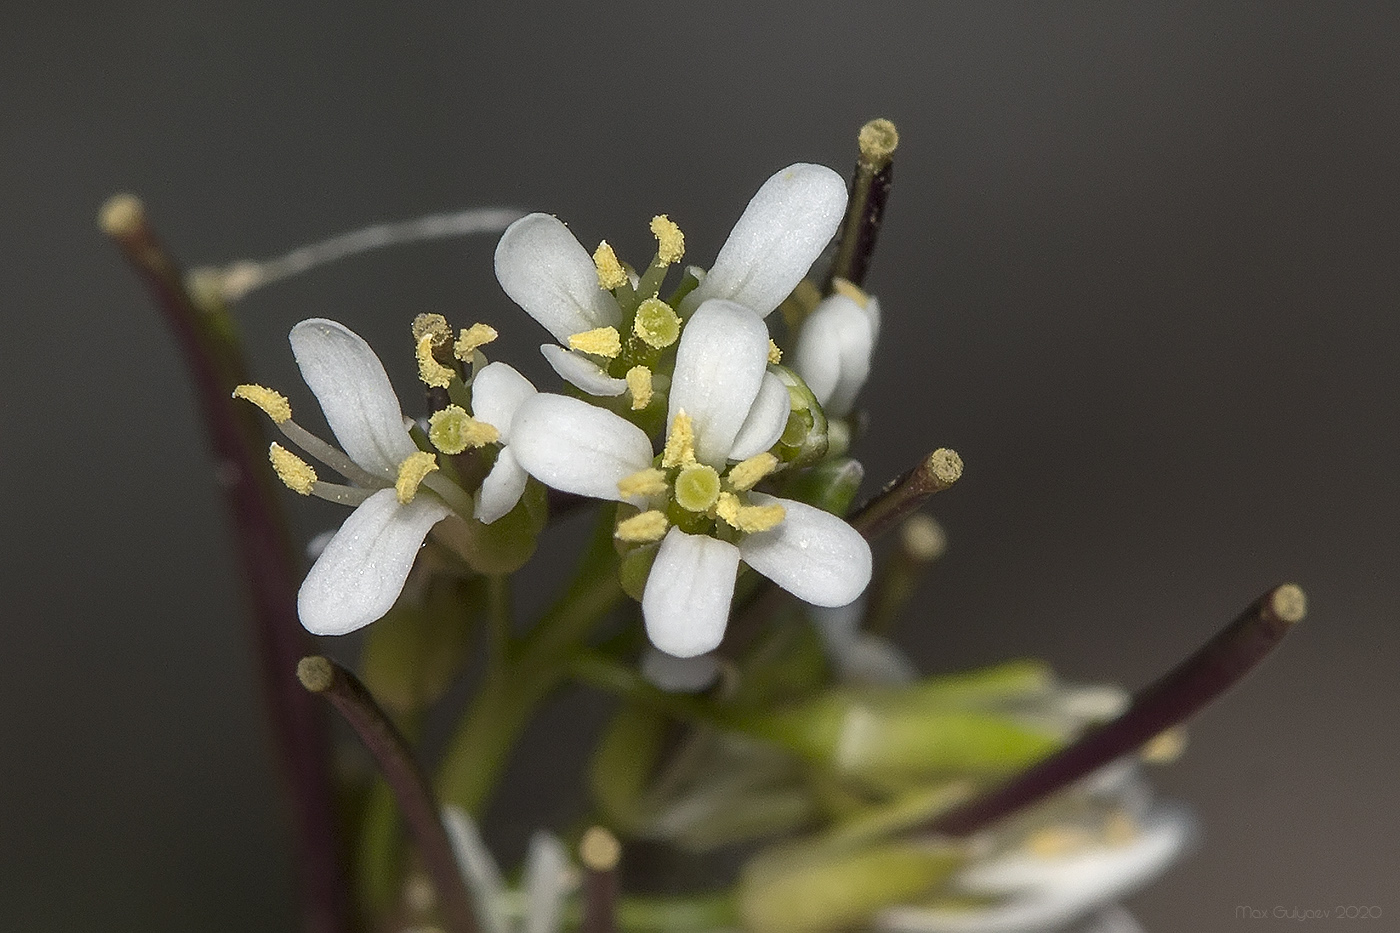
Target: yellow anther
(850,290)
(745,475)
(775,355)
(411,473)
(1057,841)
(434,324)
(728,508)
(292,470)
(670,242)
(275,404)
(122,215)
(471,338)
(452,431)
(1165,747)
(680,442)
(430,370)
(656,324)
(1120,829)
(599,850)
(755,518)
(610,272)
(648,482)
(600,341)
(639,384)
(642,529)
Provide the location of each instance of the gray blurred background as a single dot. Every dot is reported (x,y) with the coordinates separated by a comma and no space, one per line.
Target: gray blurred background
(1140,270)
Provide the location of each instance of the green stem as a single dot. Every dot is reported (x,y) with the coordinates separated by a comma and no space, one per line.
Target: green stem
(478,752)
(499,617)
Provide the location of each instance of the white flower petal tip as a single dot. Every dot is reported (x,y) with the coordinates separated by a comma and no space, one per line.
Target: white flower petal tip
(720,365)
(548,882)
(812,554)
(502,488)
(780,234)
(1049,894)
(545,270)
(834,350)
(687,596)
(354,392)
(679,675)
(498,391)
(478,869)
(766,421)
(576,447)
(578,370)
(363,568)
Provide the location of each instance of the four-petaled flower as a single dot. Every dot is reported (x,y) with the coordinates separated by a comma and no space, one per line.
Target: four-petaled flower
(725,412)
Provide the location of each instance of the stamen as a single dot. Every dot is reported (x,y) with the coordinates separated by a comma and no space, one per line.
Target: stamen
(274,404)
(611,275)
(642,529)
(680,443)
(639,384)
(775,355)
(648,482)
(432,324)
(746,475)
(430,371)
(411,473)
(452,431)
(599,852)
(656,324)
(600,341)
(670,242)
(296,473)
(697,488)
(1165,748)
(753,519)
(478,335)
(922,538)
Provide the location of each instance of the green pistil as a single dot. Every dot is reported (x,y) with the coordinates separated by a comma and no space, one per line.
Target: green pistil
(697,488)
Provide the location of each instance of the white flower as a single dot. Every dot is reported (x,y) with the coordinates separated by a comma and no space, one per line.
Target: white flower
(548,879)
(545,270)
(1097,844)
(363,567)
(724,407)
(834,349)
(395,488)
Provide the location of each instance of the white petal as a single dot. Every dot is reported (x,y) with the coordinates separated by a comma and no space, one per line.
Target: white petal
(838,625)
(543,269)
(502,487)
(687,596)
(577,447)
(362,570)
(720,365)
(478,870)
(546,882)
(812,554)
(782,231)
(577,369)
(679,675)
(1051,893)
(497,391)
(349,382)
(874,661)
(1114,919)
(766,421)
(833,353)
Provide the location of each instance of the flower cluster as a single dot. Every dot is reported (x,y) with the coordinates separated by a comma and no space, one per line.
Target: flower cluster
(710,418)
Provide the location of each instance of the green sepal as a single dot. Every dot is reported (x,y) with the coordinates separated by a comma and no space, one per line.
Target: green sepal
(623,762)
(504,545)
(412,655)
(799,889)
(804,440)
(831,485)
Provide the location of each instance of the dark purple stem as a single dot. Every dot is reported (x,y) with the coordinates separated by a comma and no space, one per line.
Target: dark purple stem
(1193,683)
(265,551)
(405,778)
(903,496)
